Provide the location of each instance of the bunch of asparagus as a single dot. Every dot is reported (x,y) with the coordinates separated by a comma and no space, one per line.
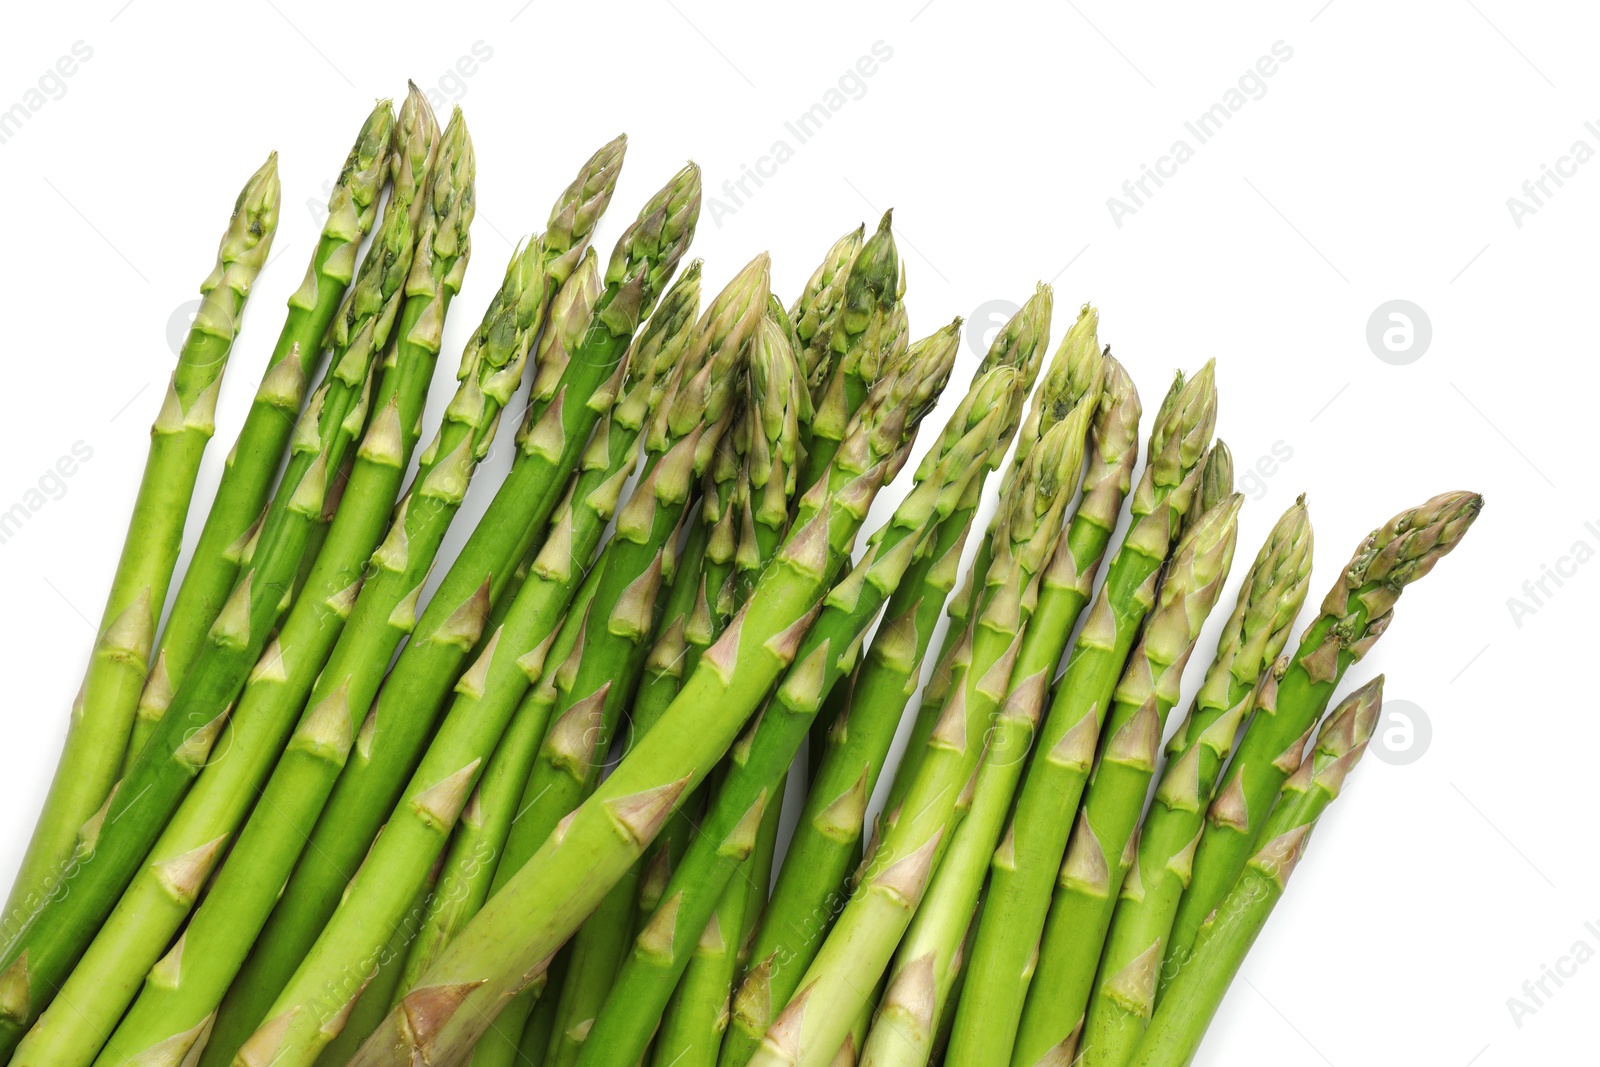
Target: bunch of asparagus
(533,819)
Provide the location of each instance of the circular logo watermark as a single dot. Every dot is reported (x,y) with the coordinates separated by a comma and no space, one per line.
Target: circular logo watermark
(985,321)
(1399,332)
(1403,734)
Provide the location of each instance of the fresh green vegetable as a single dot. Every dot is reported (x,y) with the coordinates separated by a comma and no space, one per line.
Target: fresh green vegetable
(102,714)
(1193,996)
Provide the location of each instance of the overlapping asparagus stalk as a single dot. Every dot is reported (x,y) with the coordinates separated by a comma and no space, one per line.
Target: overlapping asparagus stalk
(862,334)
(698,406)
(576,385)
(729,831)
(834,989)
(179,747)
(103,712)
(755,494)
(1025,864)
(506,947)
(596,682)
(812,313)
(1355,613)
(826,842)
(252,466)
(928,961)
(215,944)
(1192,998)
(1102,845)
(1269,600)
(534,617)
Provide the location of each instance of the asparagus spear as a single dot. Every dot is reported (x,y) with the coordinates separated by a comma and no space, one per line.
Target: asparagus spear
(813,310)
(1102,845)
(575,386)
(964,602)
(862,338)
(702,404)
(119,840)
(826,843)
(554,575)
(252,466)
(102,714)
(1022,869)
(1355,613)
(1269,600)
(855,954)
(697,407)
(1192,998)
(929,959)
(166,883)
(242,894)
(522,925)
(729,831)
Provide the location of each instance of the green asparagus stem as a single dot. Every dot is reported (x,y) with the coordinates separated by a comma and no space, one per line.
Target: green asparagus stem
(698,406)
(531,621)
(252,466)
(929,959)
(505,947)
(703,402)
(1192,998)
(164,887)
(1030,854)
(1045,407)
(1102,845)
(812,312)
(576,384)
(856,953)
(728,833)
(697,1015)
(811,885)
(1269,600)
(102,714)
(864,334)
(762,465)
(1355,613)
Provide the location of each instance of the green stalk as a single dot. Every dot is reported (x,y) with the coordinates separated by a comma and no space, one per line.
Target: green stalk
(857,951)
(928,962)
(937,691)
(753,481)
(1191,1000)
(826,845)
(1028,857)
(575,385)
(102,714)
(696,1017)
(865,333)
(813,310)
(1355,613)
(728,833)
(1102,846)
(505,948)
(697,407)
(252,467)
(164,885)
(1269,600)
(532,620)
(703,402)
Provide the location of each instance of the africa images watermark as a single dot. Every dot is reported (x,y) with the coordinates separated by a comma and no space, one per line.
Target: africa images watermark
(1537,591)
(1537,191)
(51,485)
(50,85)
(1537,992)
(1252,85)
(851,85)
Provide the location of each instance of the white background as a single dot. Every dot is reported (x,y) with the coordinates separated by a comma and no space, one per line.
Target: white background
(1376,166)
